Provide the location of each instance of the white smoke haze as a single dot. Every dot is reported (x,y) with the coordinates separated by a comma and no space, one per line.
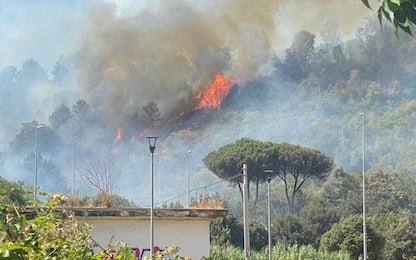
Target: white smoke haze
(166,51)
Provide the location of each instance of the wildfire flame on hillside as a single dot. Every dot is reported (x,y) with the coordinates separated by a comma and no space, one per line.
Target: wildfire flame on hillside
(212,97)
(116,140)
(215,93)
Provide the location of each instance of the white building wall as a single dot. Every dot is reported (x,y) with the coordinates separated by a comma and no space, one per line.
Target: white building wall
(190,234)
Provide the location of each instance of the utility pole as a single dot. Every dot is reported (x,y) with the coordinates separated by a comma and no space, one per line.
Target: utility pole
(269,236)
(189,178)
(245,214)
(364,191)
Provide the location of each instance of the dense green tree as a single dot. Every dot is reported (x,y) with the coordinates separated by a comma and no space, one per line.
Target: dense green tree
(83,118)
(288,229)
(317,217)
(399,235)
(50,178)
(296,63)
(387,193)
(226,231)
(294,165)
(229,231)
(347,235)
(12,192)
(258,235)
(227,161)
(60,116)
(24,142)
(343,191)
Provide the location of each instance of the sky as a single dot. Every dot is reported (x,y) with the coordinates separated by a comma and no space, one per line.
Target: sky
(45,29)
(42,30)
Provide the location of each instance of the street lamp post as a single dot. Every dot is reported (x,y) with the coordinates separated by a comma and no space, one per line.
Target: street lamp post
(269,225)
(364,192)
(189,178)
(152,147)
(268,219)
(36,163)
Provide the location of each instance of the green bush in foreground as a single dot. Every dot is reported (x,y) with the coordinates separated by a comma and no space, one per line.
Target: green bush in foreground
(278,252)
(50,234)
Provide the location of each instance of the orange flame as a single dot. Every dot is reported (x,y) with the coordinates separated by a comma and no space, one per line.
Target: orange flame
(215,93)
(116,140)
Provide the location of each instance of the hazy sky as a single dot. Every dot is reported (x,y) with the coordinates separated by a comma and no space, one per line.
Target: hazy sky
(45,29)
(42,29)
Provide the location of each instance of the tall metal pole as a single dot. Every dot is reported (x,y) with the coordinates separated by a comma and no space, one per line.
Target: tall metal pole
(152,213)
(152,147)
(36,163)
(245,214)
(268,174)
(268,219)
(364,191)
(189,178)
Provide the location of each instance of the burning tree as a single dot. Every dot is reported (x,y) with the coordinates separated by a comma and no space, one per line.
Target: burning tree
(100,176)
(151,118)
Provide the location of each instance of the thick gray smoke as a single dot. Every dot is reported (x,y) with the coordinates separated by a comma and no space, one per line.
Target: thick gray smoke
(167,52)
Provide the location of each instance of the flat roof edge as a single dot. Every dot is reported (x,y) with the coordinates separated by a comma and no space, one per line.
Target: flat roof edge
(140,212)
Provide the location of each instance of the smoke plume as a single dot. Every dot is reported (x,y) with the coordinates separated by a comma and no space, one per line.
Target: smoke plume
(167,52)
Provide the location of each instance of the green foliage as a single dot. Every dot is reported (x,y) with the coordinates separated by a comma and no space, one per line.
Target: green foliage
(280,251)
(289,230)
(227,161)
(24,142)
(343,191)
(294,165)
(291,163)
(258,236)
(399,235)
(173,205)
(50,234)
(226,231)
(401,13)
(298,58)
(347,235)
(388,192)
(11,193)
(317,217)
(60,116)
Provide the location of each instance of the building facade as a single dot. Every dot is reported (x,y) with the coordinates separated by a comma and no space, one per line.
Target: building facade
(187,229)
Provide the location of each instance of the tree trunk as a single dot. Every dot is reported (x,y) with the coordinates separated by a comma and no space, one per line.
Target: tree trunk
(287,195)
(257,194)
